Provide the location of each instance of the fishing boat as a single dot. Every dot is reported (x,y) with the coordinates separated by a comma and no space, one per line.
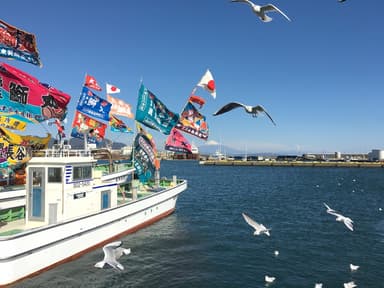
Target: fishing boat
(75,202)
(75,205)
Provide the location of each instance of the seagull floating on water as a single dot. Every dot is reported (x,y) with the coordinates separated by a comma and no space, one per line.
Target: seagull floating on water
(346,220)
(259,228)
(353,267)
(260,11)
(112,252)
(277,253)
(319,285)
(269,279)
(255,110)
(350,285)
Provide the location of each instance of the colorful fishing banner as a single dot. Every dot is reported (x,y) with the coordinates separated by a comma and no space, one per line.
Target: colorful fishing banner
(93,105)
(91,82)
(24,98)
(151,112)
(16,149)
(144,153)
(83,124)
(18,44)
(192,122)
(118,125)
(11,123)
(119,107)
(176,142)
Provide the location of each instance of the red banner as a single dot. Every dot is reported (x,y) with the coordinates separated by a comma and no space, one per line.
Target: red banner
(23,95)
(84,124)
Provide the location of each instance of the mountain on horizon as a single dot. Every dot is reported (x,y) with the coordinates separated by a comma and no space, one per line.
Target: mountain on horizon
(209,149)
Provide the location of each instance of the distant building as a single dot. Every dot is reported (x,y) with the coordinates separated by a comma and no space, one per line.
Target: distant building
(376,155)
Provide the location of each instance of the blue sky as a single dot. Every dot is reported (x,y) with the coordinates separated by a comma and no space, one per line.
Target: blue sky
(320,77)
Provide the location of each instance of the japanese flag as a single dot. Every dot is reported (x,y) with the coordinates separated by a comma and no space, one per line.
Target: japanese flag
(208,83)
(111,89)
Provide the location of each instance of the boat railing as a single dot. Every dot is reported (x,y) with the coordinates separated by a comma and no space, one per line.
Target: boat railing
(62,153)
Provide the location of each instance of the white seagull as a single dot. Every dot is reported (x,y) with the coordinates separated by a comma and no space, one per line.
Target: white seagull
(346,220)
(269,279)
(260,11)
(319,285)
(255,110)
(112,252)
(259,228)
(350,285)
(353,267)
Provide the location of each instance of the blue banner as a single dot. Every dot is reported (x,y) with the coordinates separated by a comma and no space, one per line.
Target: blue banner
(93,105)
(151,112)
(145,158)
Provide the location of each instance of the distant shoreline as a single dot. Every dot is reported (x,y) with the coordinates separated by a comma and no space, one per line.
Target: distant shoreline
(352,164)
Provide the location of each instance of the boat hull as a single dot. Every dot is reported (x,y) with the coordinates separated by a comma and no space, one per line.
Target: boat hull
(29,253)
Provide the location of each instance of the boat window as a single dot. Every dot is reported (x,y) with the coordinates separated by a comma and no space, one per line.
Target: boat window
(105,199)
(82,172)
(54,175)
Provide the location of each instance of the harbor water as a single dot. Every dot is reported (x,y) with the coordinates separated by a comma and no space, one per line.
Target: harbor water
(207,243)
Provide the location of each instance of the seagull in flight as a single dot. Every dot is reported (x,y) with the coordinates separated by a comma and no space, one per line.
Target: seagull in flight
(350,285)
(260,11)
(259,228)
(112,252)
(346,220)
(353,267)
(254,111)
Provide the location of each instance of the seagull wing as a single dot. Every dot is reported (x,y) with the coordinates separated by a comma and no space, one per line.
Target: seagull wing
(272,8)
(110,251)
(115,265)
(349,223)
(244,1)
(334,213)
(260,108)
(111,246)
(251,222)
(329,209)
(228,107)
(121,251)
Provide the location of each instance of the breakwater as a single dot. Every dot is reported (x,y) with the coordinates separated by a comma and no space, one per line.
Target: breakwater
(351,164)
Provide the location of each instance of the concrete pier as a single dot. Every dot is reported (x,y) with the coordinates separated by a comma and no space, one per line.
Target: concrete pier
(346,164)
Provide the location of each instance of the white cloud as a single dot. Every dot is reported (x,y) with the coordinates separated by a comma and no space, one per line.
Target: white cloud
(212,142)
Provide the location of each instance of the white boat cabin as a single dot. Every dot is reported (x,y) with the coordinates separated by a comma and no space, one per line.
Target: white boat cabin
(65,184)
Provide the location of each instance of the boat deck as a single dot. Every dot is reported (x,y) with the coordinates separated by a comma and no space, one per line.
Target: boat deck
(17,226)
